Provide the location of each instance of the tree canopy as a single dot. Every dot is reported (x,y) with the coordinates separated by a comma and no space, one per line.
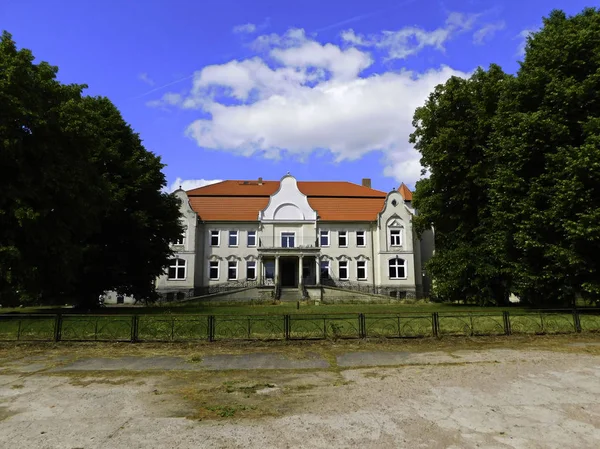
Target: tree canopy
(514,161)
(82,208)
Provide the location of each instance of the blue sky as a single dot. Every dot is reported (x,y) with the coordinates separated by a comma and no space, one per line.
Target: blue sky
(225,89)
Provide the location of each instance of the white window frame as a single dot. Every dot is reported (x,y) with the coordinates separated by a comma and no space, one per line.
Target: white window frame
(254,266)
(229,262)
(366,276)
(404,265)
(345,233)
(347,266)
(237,238)
(253,233)
(324,233)
(364,236)
(218,270)
(218,235)
(293,233)
(399,229)
(328,263)
(177,265)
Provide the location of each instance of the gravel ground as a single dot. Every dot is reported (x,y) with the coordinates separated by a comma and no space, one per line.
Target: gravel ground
(459,399)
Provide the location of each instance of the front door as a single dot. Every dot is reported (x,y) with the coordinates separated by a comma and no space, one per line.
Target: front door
(289,270)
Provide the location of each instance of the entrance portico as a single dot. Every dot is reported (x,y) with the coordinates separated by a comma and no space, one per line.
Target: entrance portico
(291,271)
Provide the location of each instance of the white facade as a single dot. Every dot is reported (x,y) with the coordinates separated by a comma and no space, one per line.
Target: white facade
(289,246)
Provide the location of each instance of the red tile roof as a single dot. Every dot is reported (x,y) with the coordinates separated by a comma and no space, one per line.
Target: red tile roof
(243,200)
(405,192)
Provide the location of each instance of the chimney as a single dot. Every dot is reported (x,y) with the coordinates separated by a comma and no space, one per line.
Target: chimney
(366,182)
(260,183)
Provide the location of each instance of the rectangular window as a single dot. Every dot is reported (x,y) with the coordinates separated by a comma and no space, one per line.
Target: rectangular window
(233,238)
(324,269)
(343,269)
(176,270)
(397,268)
(361,238)
(324,238)
(251,270)
(232,270)
(251,238)
(361,270)
(287,240)
(343,239)
(215,237)
(395,237)
(213,271)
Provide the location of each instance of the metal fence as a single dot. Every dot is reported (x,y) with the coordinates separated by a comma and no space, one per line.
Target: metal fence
(188,327)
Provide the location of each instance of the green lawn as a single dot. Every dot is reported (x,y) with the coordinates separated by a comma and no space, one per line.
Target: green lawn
(271,309)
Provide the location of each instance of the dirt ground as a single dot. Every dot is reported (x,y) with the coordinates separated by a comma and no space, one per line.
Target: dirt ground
(539,392)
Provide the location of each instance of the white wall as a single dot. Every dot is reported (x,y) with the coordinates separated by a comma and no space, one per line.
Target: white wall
(186,252)
(334,253)
(223,253)
(395,212)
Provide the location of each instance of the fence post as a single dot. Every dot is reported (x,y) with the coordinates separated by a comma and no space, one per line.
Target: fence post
(435,324)
(58,327)
(134,328)
(362,328)
(576,320)
(506,319)
(211,328)
(286,327)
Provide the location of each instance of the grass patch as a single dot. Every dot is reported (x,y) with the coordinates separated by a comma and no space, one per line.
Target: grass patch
(227,411)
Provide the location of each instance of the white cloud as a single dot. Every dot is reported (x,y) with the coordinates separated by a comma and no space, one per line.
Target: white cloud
(146,79)
(168,99)
(522,36)
(343,64)
(247,28)
(303,96)
(189,184)
(292,37)
(411,40)
(487,32)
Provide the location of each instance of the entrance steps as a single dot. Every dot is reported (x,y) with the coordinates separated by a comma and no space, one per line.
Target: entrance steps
(290,294)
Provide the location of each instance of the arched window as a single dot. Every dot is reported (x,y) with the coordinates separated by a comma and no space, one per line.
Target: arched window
(397,268)
(176,269)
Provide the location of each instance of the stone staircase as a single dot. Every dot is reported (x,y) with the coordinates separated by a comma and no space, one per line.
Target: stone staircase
(290,294)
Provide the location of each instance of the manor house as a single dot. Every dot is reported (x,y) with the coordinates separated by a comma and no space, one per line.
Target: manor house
(296,238)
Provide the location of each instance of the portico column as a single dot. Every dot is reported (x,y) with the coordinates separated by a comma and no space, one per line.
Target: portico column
(259,270)
(276,270)
(318,278)
(300,273)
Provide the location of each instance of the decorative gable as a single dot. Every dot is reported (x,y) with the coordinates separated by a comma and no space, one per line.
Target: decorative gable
(395,223)
(288,204)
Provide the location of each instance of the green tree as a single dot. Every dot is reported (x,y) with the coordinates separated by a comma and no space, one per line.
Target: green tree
(546,192)
(81,206)
(452,133)
(45,177)
(140,221)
